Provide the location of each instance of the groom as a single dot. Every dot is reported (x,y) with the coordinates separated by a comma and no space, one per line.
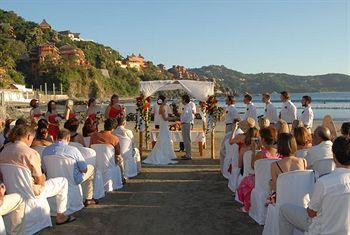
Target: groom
(186,118)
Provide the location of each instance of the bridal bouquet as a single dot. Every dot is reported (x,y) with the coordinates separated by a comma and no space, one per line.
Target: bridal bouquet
(175,127)
(212,111)
(143,105)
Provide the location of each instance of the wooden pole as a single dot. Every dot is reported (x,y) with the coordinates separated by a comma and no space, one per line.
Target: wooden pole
(61,89)
(140,142)
(212,146)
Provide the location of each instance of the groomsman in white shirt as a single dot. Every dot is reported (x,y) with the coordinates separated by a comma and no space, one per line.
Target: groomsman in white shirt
(251,109)
(186,119)
(194,111)
(307,116)
(270,110)
(288,110)
(232,114)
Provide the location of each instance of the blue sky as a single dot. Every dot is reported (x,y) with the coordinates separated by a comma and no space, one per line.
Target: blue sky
(297,37)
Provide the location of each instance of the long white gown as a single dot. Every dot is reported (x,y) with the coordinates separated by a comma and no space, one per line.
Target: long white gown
(163,151)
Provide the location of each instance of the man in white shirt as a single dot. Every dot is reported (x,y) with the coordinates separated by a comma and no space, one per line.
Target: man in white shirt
(251,109)
(186,119)
(155,112)
(194,111)
(307,116)
(329,207)
(232,114)
(270,109)
(288,110)
(322,146)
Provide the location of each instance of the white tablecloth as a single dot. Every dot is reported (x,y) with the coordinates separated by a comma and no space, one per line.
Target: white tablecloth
(176,136)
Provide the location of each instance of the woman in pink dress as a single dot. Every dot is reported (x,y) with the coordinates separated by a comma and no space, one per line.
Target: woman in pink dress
(268,138)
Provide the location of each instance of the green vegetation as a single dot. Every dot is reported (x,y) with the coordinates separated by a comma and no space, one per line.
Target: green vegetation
(235,81)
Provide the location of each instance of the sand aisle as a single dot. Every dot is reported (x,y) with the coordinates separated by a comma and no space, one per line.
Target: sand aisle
(189,198)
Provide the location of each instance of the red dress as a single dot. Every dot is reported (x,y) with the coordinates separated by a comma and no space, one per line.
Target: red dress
(72,115)
(53,128)
(115,113)
(248,183)
(93,116)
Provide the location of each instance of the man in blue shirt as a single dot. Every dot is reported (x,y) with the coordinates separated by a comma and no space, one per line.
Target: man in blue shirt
(83,173)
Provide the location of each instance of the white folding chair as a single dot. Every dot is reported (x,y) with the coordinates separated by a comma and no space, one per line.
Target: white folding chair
(58,166)
(223,155)
(126,149)
(90,157)
(247,163)
(105,162)
(261,190)
(324,166)
(37,212)
(293,187)
(235,172)
(2,227)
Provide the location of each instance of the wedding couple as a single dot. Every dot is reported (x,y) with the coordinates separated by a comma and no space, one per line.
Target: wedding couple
(163,152)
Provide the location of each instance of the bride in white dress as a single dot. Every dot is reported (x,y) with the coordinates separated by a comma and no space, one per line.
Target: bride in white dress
(163,151)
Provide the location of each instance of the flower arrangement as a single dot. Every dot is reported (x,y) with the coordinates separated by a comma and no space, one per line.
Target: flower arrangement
(175,126)
(212,111)
(143,105)
(203,106)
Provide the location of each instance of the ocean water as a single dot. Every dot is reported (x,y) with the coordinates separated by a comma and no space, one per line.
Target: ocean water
(336,104)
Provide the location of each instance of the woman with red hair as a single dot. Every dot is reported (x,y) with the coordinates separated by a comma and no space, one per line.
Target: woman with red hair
(114,109)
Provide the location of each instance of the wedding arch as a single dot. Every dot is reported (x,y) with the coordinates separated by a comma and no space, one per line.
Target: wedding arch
(200,90)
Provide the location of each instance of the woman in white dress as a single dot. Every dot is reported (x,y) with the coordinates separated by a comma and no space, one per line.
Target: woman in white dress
(163,151)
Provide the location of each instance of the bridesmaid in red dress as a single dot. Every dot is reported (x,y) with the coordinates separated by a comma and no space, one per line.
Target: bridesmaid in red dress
(114,109)
(91,112)
(69,112)
(53,119)
(35,112)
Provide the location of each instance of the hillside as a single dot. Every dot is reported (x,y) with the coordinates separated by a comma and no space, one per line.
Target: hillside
(268,82)
(34,54)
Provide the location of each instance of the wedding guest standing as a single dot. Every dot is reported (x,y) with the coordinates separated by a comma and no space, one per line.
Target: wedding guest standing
(35,112)
(69,112)
(270,109)
(307,116)
(53,119)
(114,109)
(232,114)
(91,109)
(186,119)
(288,110)
(251,109)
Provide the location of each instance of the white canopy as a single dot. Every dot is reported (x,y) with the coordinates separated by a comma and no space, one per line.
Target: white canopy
(198,89)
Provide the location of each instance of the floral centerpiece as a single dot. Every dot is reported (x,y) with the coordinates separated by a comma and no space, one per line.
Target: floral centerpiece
(143,105)
(212,111)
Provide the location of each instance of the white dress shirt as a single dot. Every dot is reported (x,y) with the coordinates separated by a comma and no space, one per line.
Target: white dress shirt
(231,114)
(288,112)
(156,114)
(307,116)
(331,200)
(271,113)
(250,112)
(318,152)
(186,116)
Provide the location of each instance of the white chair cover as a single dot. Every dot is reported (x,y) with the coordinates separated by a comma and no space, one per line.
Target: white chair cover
(229,150)
(323,166)
(112,178)
(233,177)
(261,190)
(126,149)
(58,166)
(2,227)
(90,157)
(75,144)
(137,157)
(293,187)
(87,141)
(224,155)
(247,163)
(37,212)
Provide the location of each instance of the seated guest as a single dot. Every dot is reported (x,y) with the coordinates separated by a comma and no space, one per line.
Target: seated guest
(286,148)
(322,146)
(83,173)
(19,153)
(263,122)
(268,138)
(72,126)
(122,130)
(41,137)
(251,134)
(12,205)
(21,121)
(328,211)
(304,140)
(89,127)
(345,129)
(297,123)
(106,137)
(5,133)
(282,127)
(43,123)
